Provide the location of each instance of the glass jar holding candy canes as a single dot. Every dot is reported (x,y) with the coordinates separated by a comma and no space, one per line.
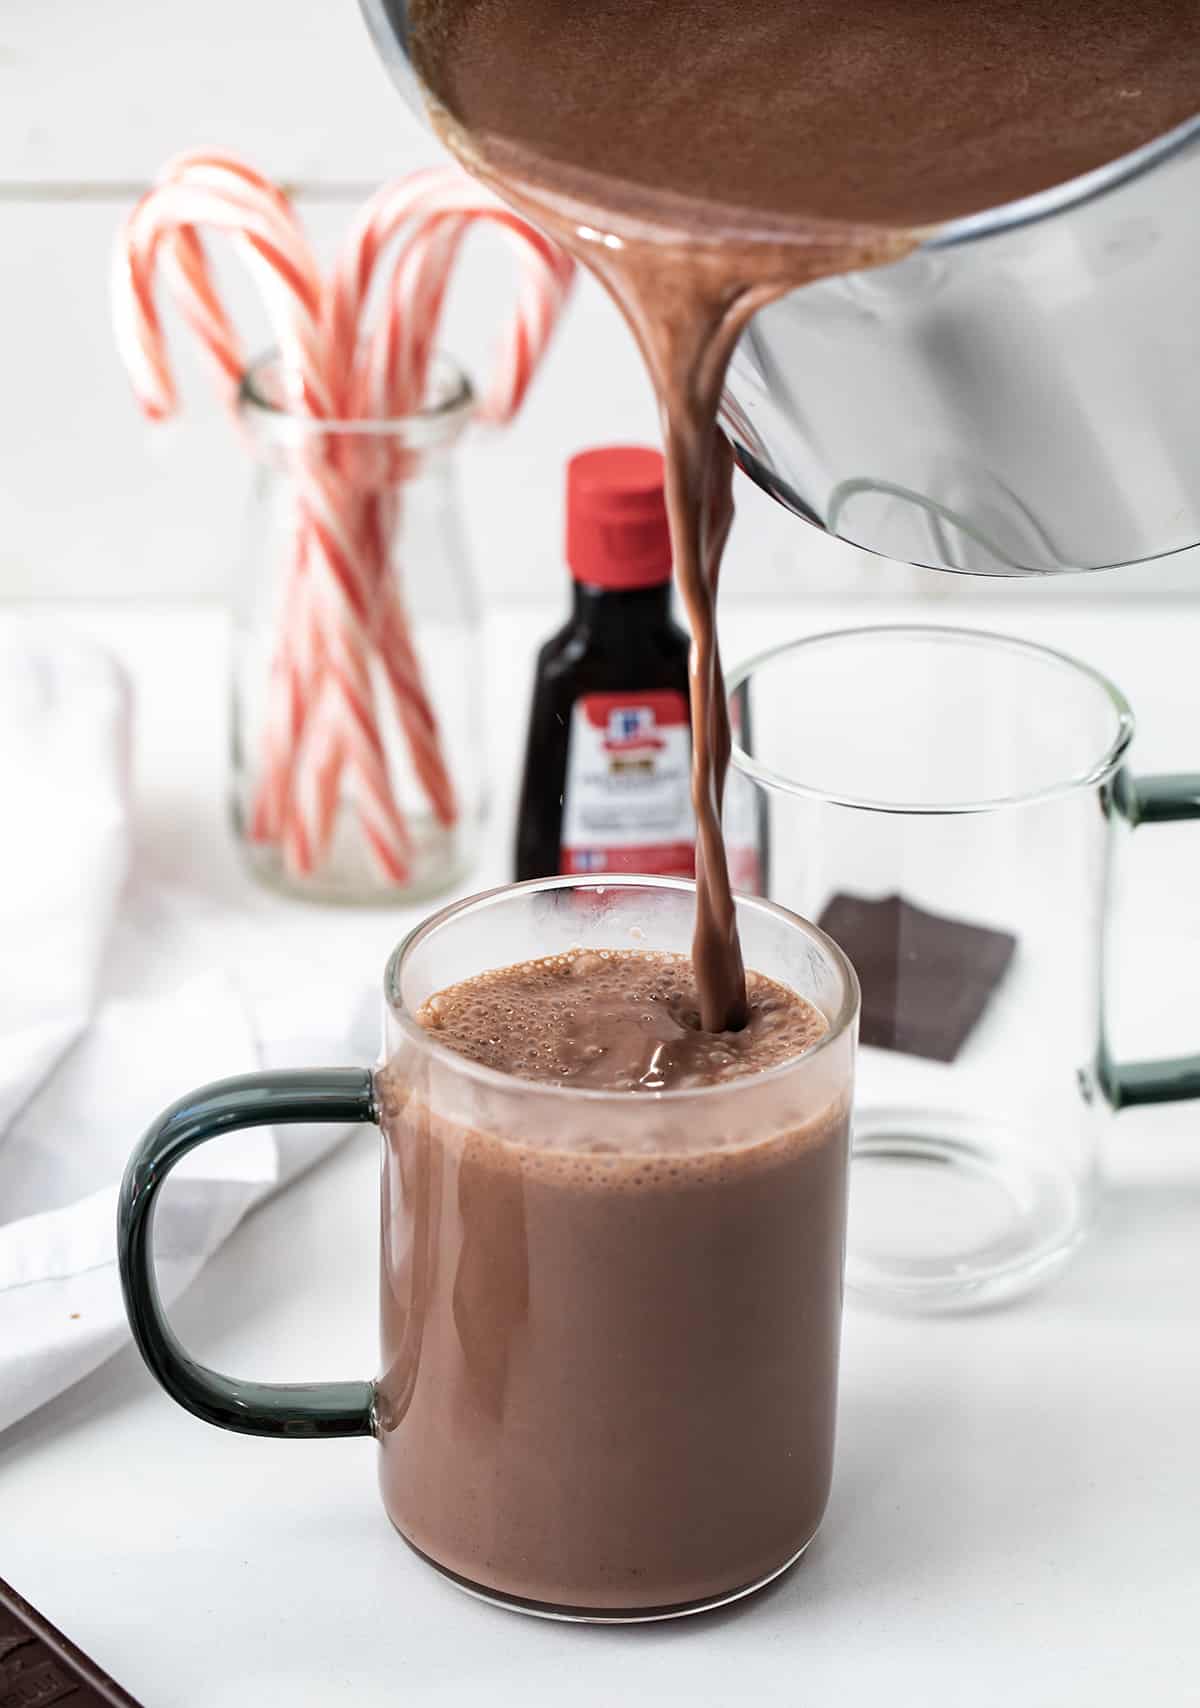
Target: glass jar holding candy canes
(357,714)
(357,729)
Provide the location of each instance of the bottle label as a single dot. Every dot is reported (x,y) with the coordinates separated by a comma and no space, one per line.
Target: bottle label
(627,805)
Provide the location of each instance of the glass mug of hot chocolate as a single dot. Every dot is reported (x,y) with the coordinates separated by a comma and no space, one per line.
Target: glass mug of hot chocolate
(612,1248)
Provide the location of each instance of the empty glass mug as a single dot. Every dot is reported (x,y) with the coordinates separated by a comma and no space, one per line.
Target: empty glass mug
(948,804)
(609,1321)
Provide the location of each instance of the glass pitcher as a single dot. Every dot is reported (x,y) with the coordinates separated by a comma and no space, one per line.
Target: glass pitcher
(1016,397)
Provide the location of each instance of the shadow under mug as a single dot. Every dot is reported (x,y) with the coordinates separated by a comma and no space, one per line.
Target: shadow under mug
(609,1322)
(949,804)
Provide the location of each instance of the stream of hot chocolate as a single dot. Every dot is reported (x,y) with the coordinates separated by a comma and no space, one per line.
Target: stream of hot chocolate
(687,355)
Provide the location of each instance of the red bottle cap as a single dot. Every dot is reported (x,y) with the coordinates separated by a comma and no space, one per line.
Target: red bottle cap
(618,537)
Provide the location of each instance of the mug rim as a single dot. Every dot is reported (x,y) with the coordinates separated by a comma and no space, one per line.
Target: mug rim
(1098,772)
(840,1023)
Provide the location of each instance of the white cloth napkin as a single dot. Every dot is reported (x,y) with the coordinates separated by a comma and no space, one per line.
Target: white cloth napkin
(82,1076)
(64,789)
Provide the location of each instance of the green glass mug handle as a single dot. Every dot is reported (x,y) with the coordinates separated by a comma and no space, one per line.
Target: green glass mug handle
(1154,800)
(306,1409)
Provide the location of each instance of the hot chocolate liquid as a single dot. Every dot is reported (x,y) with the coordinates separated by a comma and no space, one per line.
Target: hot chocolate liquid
(611,1373)
(704,156)
(623,1021)
(888,112)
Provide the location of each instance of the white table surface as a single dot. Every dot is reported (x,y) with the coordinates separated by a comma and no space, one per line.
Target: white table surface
(1014,1517)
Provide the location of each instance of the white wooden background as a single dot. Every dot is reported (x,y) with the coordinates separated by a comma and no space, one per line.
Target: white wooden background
(92,99)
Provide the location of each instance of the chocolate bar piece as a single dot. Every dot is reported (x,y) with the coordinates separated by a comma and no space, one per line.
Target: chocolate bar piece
(39,1666)
(926,979)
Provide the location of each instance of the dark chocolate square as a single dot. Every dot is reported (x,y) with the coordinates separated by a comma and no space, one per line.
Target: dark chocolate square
(38,1665)
(926,979)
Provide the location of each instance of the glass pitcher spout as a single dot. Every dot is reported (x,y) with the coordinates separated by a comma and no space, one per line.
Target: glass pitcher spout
(1011,399)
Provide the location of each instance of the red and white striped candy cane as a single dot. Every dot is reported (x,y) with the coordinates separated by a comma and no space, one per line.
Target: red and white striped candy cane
(345,595)
(388,375)
(433,211)
(345,313)
(272,246)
